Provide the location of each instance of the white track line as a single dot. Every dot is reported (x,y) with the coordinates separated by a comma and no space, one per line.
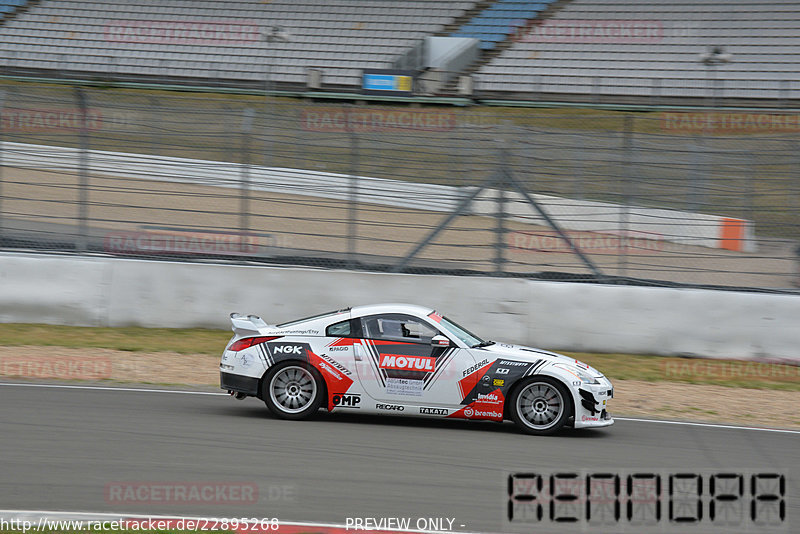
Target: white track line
(55,515)
(184,392)
(709,425)
(102,388)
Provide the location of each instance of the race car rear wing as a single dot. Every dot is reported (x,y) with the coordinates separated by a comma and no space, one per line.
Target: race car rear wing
(247,325)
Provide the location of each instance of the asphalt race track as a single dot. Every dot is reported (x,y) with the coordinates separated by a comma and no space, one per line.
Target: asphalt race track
(62,448)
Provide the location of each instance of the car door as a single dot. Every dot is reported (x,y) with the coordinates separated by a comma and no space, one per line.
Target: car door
(397,362)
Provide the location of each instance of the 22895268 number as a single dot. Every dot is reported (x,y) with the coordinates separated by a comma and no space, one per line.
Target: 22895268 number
(753,500)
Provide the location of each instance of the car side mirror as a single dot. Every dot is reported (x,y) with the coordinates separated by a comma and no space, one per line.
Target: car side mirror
(440,341)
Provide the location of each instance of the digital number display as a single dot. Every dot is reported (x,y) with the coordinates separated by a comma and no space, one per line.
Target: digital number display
(755,500)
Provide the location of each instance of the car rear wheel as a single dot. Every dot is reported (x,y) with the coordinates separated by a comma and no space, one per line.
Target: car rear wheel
(292,390)
(541,405)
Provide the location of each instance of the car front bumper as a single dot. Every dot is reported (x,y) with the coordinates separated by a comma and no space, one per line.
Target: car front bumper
(591,409)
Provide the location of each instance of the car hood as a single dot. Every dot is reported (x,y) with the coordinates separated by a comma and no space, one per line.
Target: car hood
(530,354)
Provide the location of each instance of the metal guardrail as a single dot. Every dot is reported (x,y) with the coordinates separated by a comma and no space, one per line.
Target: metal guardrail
(543,210)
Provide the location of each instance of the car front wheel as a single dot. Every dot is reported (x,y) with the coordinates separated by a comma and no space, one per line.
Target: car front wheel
(292,390)
(541,405)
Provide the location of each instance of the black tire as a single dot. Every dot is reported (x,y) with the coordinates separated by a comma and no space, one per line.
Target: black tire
(292,390)
(540,405)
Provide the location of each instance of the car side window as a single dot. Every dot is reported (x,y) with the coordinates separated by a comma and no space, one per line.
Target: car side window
(348,328)
(341,329)
(397,327)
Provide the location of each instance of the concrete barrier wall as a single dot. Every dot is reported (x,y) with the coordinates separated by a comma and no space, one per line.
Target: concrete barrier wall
(95,291)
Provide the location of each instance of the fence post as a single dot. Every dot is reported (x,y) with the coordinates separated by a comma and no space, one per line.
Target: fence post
(244,208)
(500,212)
(352,205)
(267,117)
(750,192)
(794,171)
(628,194)
(694,190)
(83,174)
(578,182)
(228,145)
(2,108)
(156,117)
(500,232)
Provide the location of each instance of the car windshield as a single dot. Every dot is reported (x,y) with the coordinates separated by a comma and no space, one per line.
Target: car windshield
(463,334)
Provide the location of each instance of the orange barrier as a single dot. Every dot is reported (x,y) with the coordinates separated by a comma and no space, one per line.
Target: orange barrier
(732,234)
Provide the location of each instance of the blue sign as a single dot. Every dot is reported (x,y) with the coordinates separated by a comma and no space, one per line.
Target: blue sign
(383,81)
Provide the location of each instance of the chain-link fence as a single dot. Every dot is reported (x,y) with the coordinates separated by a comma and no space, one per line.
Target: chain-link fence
(708,198)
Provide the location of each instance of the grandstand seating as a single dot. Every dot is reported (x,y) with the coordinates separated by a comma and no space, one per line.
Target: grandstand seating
(500,20)
(117,37)
(761,35)
(9,6)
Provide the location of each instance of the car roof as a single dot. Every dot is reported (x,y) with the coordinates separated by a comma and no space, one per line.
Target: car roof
(372,309)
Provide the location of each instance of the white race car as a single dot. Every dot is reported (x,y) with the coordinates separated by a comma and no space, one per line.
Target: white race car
(408,360)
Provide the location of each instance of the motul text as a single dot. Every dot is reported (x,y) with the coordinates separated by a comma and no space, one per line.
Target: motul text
(425,364)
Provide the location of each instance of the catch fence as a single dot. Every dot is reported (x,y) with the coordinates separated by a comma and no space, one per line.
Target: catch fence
(706,198)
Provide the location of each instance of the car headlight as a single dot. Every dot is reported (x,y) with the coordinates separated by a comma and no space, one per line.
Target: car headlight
(582,375)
